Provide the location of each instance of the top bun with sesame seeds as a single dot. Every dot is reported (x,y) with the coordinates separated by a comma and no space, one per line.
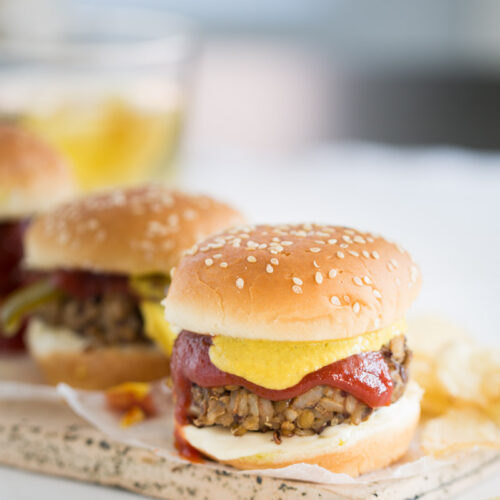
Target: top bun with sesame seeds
(33,176)
(292,283)
(133,231)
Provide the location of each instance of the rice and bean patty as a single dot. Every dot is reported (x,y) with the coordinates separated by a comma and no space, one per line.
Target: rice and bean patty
(241,410)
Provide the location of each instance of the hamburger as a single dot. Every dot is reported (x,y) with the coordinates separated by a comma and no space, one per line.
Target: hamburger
(29,170)
(292,348)
(106,262)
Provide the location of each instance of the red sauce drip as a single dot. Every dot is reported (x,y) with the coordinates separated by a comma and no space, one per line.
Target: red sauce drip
(84,284)
(366,376)
(11,274)
(185,449)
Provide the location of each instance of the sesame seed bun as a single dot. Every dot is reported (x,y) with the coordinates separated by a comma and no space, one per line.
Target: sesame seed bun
(345,448)
(33,176)
(65,357)
(292,282)
(135,231)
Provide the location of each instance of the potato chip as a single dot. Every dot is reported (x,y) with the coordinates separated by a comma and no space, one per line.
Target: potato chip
(427,334)
(458,372)
(489,362)
(435,400)
(457,430)
(492,409)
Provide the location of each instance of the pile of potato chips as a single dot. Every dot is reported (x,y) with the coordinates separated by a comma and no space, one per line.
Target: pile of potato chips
(461,404)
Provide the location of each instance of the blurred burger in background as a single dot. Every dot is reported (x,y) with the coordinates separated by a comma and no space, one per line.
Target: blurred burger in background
(33,177)
(106,262)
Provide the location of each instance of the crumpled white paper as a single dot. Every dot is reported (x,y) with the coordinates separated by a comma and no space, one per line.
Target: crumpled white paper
(156,434)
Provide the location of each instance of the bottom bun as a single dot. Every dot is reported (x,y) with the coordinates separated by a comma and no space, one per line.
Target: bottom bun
(64,356)
(352,449)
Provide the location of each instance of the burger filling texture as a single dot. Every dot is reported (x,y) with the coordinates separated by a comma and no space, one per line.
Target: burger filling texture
(104,309)
(345,390)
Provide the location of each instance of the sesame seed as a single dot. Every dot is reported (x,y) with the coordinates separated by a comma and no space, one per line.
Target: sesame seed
(356,307)
(366,253)
(344,245)
(251,258)
(347,299)
(352,252)
(359,239)
(217,256)
(269,268)
(348,231)
(340,255)
(357,281)
(275,261)
(367,280)
(209,262)
(318,277)
(239,283)
(263,245)
(347,239)
(335,300)
(287,243)
(377,294)
(394,262)
(370,239)
(332,273)
(332,241)
(297,289)
(223,264)
(375,255)
(315,264)
(297,281)
(315,249)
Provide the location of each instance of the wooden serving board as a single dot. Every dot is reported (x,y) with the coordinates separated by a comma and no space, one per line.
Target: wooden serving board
(48,437)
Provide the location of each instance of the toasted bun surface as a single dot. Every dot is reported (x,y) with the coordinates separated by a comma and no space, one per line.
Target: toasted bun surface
(352,449)
(292,282)
(134,231)
(33,176)
(62,356)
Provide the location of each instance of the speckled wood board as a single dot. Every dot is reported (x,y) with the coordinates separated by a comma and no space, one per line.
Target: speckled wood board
(47,437)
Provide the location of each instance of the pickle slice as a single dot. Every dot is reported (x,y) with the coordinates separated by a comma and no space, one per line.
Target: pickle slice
(151,286)
(22,302)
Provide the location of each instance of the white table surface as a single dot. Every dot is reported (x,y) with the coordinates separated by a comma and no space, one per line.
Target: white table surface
(443,205)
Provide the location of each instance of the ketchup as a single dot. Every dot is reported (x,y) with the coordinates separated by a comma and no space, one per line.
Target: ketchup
(185,449)
(366,376)
(11,274)
(84,284)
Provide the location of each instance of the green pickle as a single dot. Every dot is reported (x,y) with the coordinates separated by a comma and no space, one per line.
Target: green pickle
(23,301)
